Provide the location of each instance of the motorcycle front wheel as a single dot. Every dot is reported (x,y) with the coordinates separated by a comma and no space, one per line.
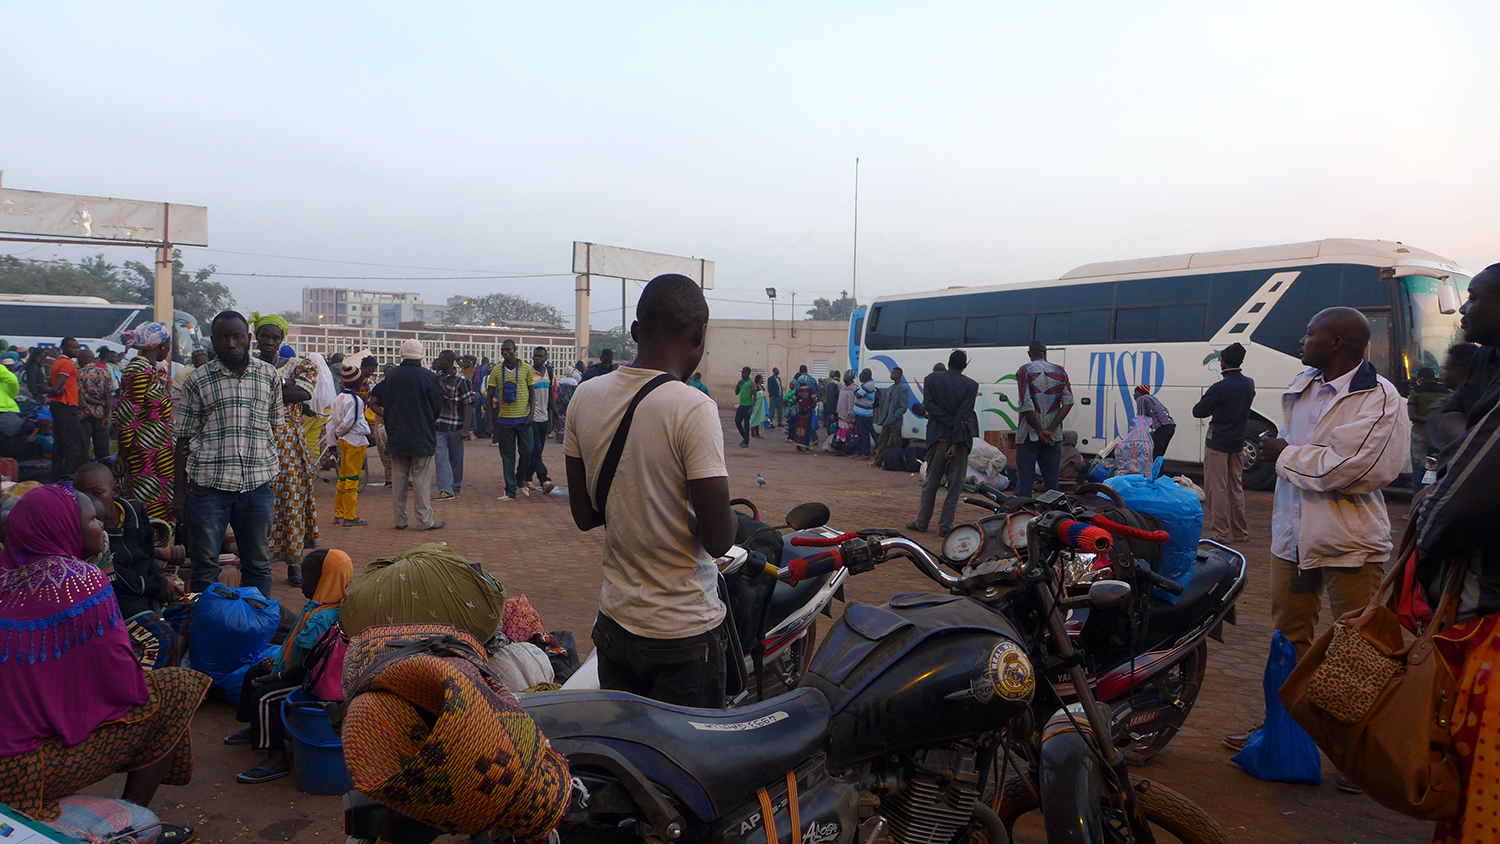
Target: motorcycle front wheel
(1173,817)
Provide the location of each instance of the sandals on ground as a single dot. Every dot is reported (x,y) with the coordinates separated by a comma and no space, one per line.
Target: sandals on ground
(250,777)
(241,736)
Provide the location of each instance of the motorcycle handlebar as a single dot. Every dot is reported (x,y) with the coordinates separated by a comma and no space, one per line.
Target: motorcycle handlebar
(923,559)
(823,541)
(817,565)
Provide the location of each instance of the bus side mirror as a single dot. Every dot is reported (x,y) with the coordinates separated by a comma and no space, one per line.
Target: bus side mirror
(1447,299)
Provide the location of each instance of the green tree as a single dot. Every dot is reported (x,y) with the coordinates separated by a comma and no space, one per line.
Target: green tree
(194,292)
(620,341)
(58,278)
(829,309)
(499,308)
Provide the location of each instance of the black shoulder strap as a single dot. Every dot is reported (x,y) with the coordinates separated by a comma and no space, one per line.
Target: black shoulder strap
(617,446)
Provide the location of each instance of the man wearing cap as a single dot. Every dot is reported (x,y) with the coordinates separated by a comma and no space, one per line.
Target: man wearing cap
(410,400)
(1226,404)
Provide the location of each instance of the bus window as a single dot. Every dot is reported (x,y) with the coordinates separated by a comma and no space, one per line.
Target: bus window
(1181,324)
(933,333)
(1428,332)
(1135,325)
(1054,329)
(1379,350)
(856,330)
(1009,330)
(886,322)
(1090,327)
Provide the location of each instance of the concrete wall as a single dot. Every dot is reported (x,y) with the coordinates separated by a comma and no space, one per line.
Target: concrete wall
(733,343)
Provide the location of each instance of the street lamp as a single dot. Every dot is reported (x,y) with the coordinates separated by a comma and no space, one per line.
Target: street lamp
(771,294)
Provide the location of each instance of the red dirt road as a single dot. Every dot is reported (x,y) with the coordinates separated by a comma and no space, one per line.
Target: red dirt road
(532,547)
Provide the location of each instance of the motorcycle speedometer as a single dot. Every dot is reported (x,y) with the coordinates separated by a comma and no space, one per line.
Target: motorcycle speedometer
(962,543)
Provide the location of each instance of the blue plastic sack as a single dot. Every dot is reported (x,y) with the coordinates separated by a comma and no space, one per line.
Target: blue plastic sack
(1181,516)
(229,625)
(234,682)
(1280,751)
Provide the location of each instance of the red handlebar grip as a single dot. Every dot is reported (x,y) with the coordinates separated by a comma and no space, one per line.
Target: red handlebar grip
(1130,532)
(815,566)
(1084,537)
(822,541)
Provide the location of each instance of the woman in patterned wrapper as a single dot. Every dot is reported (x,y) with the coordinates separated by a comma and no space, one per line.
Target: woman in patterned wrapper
(295,523)
(143,419)
(77,707)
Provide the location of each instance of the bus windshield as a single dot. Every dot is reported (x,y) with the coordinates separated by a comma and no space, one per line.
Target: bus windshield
(1429,332)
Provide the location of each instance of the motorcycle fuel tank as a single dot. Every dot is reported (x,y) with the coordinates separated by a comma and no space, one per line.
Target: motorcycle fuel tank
(922,669)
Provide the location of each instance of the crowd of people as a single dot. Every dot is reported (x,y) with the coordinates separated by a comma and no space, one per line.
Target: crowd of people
(226,452)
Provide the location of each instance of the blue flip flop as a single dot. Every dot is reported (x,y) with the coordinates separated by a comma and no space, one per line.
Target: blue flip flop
(250,778)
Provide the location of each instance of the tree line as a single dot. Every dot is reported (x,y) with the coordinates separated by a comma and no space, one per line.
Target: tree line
(133,281)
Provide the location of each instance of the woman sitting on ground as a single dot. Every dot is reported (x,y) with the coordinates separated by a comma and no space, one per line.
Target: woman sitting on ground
(76,706)
(325,580)
(137,572)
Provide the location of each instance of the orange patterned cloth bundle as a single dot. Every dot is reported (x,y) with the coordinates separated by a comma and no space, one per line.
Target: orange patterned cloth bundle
(482,764)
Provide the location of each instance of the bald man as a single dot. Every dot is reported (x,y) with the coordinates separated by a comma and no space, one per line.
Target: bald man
(1346,437)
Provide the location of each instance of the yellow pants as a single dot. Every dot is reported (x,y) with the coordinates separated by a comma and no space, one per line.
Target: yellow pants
(312,426)
(346,494)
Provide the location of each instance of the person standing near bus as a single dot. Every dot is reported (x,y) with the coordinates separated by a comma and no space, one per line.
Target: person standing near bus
(1162,425)
(67,422)
(948,405)
(1046,396)
(1226,404)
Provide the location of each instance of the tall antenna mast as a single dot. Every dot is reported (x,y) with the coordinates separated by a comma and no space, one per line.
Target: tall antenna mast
(854,286)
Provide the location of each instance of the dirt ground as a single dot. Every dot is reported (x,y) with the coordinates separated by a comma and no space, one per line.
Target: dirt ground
(532,547)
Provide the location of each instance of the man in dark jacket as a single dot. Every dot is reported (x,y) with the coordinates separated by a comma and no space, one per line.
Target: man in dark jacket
(411,399)
(948,404)
(1455,519)
(605,366)
(892,412)
(1226,404)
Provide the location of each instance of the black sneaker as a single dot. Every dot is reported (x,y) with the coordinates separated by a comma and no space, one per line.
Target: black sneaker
(1237,741)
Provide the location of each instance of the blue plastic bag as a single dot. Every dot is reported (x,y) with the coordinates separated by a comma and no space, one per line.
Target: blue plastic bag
(1280,751)
(229,625)
(1181,516)
(234,682)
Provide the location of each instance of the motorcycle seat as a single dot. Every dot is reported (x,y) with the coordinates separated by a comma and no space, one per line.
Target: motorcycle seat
(727,753)
(1213,575)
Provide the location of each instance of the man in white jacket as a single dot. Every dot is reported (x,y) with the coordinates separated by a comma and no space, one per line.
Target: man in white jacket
(1345,439)
(1345,436)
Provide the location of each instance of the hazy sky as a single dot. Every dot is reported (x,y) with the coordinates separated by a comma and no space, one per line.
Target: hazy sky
(997,142)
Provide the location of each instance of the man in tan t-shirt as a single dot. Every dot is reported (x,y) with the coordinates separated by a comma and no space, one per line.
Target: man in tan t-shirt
(660,631)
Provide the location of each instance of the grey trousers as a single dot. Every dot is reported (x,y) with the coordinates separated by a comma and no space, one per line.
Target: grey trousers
(417,472)
(939,467)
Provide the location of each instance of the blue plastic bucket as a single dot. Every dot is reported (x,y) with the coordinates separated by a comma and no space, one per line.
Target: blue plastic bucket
(317,750)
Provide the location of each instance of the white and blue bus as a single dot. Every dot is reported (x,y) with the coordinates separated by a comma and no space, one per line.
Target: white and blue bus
(43,320)
(1161,322)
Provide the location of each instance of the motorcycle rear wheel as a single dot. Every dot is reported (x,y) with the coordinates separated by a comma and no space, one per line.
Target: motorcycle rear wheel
(1186,681)
(1166,810)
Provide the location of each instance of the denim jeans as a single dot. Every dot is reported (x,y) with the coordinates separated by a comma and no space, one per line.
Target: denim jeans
(742,423)
(539,432)
(1034,454)
(209,511)
(864,434)
(450,461)
(515,450)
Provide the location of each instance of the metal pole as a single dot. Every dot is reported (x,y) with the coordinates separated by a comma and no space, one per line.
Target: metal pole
(854,285)
(794,313)
(162,301)
(624,328)
(773,319)
(581,316)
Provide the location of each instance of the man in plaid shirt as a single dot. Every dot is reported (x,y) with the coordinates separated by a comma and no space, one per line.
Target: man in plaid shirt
(1046,396)
(224,426)
(452,425)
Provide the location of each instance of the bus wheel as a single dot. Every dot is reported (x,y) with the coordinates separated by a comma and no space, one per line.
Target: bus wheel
(1260,473)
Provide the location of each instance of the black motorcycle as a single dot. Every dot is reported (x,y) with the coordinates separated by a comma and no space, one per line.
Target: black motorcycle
(917,722)
(1146,659)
